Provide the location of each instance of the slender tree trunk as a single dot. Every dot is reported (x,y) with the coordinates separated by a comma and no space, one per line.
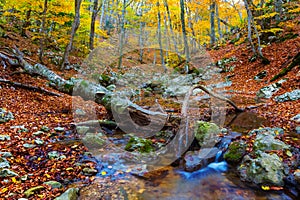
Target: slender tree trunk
(212,23)
(141,41)
(159,36)
(102,14)
(75,26)
(278,9)
(122,34)
(219,22)
(186,45)
(249,19)
(171,29)
(27,23)
(93,21)
(43,32)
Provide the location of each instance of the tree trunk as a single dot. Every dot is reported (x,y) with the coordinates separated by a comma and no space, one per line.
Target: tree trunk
(278,9)
(93,21)
(212,23)
(43,32)
(122,34)
(249,20)
(171,29)
(186,45)
(27,23)
(102,14)
(75,26)
(219,22)
(159,37)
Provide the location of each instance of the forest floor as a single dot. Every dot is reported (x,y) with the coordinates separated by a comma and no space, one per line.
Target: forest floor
(33,110)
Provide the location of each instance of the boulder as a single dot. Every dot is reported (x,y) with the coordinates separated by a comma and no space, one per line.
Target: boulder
(93,141)
(195,160)
(267,142)
(70,194)
(266,169)
(206,134)
(235,152)
(288,96)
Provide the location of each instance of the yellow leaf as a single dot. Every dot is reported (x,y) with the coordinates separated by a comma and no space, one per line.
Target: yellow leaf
(103,173)
(69,168)
(14,180)
(288,153)
(47,175)
(3,190)
(265,187)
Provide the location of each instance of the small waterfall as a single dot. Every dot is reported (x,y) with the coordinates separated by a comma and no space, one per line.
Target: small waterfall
(219,156)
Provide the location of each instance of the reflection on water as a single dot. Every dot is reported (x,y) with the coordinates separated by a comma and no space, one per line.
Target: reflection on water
(210,183)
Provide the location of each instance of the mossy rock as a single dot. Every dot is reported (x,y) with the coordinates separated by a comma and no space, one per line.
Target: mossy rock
(235,152)
(139,144)
(206,133)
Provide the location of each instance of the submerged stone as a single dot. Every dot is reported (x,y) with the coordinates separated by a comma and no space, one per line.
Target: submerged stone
(70,194)
(195,160)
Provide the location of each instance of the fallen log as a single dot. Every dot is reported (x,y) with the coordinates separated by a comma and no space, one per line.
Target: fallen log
(30,87)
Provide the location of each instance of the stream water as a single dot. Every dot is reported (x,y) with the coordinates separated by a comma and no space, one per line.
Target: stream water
(217,181)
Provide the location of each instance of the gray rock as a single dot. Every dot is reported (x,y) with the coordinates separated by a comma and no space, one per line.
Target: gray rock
(195,160)
(93,141)
(268,91)
(18,126)
(271,131)
(82,129)
(53,154)
(288,96)
(5,116)
(4,163)
(206,134)
(59,129)
(5,154)
(89,171)
(37,133)
(7,173)
(266,169)
(267,142)
(39,141)
(80,112)
(53,184)
(45,129)
(297,129)
(296,118)
(26,145)
(70,194)
(4,137)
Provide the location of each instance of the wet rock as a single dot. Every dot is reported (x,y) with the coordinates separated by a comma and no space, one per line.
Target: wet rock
(111,87)
(268,91)
(70,194)
(93,141)
(140,144)
(53,184)
(235,152)
(5,154)
(4,137)
(266,169)
(4,163)
(89,171)
(5,116)
(195,160)
(7,173)
(31,191)
(297,175)
(206,134)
